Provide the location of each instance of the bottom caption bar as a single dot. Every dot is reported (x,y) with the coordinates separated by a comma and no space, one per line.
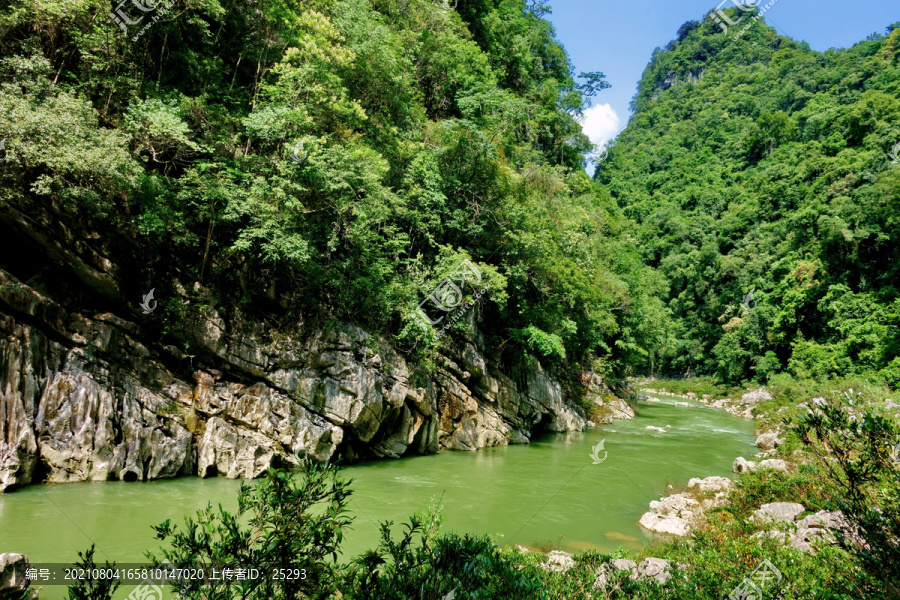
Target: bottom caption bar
(134,574)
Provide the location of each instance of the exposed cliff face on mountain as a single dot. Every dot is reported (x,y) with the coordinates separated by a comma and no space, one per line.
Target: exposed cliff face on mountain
(86,397)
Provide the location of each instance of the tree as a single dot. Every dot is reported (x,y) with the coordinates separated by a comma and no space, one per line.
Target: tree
(295,524)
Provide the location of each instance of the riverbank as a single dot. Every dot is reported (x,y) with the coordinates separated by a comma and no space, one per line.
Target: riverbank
(784,519)
(780,515)
(527,495)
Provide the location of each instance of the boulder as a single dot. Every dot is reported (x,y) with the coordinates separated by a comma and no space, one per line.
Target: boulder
(769,440)
(712,485)
(824,519)
(665,525)
(609,571)
(774,463)
(742,465)
(654,569)
(560,561)
(671,515)
(778,511)
(13,583)
(657,569)
(755,396)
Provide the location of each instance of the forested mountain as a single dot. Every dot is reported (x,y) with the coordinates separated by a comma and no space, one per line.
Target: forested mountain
(753,163)
(317,160)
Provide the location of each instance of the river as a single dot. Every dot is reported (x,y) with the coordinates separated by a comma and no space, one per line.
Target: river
(528,493)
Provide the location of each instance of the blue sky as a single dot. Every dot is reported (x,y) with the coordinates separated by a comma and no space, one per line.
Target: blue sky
(618,37)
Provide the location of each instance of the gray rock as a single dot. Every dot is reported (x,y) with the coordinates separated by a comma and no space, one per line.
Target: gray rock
(560,561)
(713,485)
(742,465)
(775,464)
(676,526)
(610,570)
(778,511)
(657,569)
(13,583)
(654,569)
(755,396)
(769,440)
(102,406)
(824,519)
(672,515)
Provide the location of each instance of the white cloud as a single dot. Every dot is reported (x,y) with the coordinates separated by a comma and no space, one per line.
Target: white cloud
(600,124)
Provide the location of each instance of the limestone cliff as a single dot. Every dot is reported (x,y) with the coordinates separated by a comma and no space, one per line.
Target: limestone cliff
(88,397)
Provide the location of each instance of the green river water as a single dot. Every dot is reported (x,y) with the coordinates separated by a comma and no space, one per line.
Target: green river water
(523,494)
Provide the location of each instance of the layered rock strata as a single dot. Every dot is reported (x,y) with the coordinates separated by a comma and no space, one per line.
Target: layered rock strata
(88,396)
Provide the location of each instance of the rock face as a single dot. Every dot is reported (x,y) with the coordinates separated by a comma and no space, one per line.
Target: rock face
(657,570)
(610,408)
(769,440)
(676,514)
(95,397)
(13,583)
(671,515)
(778,511)
(559,561)
(821,527)
(742,465)
(755,396)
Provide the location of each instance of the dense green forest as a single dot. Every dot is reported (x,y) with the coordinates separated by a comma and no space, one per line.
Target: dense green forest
(322,159)
(756,164)
(334,160)
(423,135)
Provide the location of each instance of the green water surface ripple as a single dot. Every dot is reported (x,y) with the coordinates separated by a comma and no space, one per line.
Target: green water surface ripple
(524,494)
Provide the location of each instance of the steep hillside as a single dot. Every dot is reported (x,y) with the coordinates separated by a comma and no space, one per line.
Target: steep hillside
(234,232)
(758,165)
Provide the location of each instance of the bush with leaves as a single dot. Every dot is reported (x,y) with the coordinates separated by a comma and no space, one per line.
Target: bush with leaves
(294,525)
(856,451)
(91,588)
